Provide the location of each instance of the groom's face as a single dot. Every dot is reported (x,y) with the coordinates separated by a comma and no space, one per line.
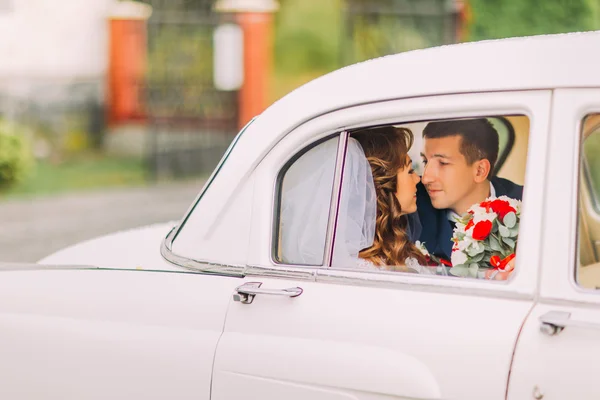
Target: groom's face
(447,177)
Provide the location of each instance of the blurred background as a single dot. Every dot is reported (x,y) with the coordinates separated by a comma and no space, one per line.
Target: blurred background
(132,103)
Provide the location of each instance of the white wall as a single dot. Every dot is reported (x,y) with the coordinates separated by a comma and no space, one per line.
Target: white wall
(58,39)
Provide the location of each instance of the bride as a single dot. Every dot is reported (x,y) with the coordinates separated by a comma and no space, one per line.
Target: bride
(376,226)
(395,184)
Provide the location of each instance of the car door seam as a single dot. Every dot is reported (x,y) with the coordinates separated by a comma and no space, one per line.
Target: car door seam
(512,358)
(212,370)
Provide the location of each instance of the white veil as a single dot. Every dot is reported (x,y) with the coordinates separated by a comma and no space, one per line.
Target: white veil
(358,208)
(306,198)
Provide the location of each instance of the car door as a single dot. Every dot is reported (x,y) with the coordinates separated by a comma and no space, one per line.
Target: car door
(558,353)
(308,331)
(90,333)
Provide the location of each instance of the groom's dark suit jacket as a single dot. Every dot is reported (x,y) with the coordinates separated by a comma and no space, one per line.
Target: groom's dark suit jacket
(433,224)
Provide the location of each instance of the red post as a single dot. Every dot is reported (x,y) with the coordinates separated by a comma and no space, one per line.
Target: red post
(127,62)
(463,20)
(258,49)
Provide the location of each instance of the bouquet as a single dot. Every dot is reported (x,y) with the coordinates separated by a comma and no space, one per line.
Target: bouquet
(431,260)
(486,237)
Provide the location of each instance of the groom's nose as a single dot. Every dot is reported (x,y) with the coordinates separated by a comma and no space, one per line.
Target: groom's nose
(427,176)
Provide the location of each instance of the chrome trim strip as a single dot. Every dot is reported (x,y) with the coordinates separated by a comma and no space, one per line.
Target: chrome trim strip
(335,197)
(422,283)
(196,265)
(14,266)
(283,272)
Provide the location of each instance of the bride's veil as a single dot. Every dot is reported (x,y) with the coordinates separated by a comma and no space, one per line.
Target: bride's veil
(358,208)
(306,196)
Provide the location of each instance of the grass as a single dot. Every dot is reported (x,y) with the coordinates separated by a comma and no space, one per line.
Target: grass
(82,172)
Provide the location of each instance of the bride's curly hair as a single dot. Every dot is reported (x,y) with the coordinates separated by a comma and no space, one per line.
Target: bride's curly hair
(386,149)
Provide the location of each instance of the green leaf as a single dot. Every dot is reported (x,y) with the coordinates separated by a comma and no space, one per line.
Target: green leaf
(494,244)
(510,220)
(473,268)
(509,242)
(459,270)
(504,231)
(478,258)
(475,249)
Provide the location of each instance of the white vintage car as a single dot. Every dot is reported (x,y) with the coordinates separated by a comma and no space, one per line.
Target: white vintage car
(213,306)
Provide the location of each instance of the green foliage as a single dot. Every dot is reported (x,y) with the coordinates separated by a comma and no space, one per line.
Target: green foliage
(494,19)
(307,36)
(16,156)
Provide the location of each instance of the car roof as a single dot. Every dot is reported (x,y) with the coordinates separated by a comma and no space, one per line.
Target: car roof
(546,61)
(537,62)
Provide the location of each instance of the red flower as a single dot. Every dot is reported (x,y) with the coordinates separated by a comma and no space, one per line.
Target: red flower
(486,205)
(445,262)
(469,224)
(501,207)
(482,230)
(497,263)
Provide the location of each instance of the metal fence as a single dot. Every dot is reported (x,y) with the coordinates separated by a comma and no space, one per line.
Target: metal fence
(191,123)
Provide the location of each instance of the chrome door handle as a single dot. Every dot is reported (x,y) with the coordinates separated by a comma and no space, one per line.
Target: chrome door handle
(245,293)
(553,322)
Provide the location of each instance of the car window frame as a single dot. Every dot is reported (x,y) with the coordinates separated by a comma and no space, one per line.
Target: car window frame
(560,257)
(398,111)
(203,266)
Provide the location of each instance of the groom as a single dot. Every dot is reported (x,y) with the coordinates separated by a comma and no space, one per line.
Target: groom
(459,158)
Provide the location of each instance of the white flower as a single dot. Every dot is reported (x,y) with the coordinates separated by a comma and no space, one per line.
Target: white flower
(459,227)
(465,243)
(422,248)
(484,216)
(477,209)
(458,257)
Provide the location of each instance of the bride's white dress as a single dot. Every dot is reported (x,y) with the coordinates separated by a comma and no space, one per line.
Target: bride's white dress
(411,263)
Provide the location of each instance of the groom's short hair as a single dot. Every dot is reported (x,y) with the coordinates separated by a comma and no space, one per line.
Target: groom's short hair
(479,137)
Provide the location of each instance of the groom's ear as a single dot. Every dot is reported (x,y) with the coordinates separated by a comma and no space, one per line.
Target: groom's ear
(482,170)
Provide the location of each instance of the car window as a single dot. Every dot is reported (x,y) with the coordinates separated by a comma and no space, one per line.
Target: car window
(305,193)
(387,221)
(198,239)
(588,262)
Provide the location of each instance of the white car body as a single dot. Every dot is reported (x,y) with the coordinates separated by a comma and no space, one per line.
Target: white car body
(154,320)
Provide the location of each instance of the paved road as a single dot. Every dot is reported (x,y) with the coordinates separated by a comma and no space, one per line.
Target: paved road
(32,229)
